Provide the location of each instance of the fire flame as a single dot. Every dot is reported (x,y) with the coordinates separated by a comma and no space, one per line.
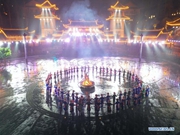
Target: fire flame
(86,81)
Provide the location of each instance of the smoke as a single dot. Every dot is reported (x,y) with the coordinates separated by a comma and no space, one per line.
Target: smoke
(79,10)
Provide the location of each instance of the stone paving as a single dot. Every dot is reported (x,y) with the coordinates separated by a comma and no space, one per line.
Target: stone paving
(23,107)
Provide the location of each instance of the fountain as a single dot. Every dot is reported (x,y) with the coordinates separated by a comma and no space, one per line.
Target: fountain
(86,84)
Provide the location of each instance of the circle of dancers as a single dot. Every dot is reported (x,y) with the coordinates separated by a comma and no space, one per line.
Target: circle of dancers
(72,102)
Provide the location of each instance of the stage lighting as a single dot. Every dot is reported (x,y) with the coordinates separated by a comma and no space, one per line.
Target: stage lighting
(67,40)
(134,41)
(163,42)
(48,40)
(37,41)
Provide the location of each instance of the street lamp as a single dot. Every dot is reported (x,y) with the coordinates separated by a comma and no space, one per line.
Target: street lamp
(25,50)
(140,55)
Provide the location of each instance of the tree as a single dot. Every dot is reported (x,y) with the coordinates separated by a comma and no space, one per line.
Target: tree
(4,52)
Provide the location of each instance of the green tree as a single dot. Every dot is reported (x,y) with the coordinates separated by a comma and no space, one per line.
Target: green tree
(5,52)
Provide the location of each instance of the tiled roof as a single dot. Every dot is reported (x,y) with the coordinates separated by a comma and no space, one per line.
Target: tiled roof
(14,32)
(150,32)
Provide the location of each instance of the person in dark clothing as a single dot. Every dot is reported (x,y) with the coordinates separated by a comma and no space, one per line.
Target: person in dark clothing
(147,91)
(128,100)
(109,106)
(123,102)
(117,103)
(72,95)
(88,104)
(72,106)
(107,97)
(120,96)
(114,97)
(102,100)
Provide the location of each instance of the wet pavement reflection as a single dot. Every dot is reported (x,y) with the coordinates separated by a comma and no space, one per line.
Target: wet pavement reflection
(28,107)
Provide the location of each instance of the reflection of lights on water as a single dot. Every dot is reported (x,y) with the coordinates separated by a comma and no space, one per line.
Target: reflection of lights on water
(17,76)
(154,74)
(147,71)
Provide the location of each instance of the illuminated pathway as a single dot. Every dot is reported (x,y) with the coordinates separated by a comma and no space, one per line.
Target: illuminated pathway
(24,109)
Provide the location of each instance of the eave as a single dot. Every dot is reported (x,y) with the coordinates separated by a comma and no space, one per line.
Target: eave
(46,17)
(47,4)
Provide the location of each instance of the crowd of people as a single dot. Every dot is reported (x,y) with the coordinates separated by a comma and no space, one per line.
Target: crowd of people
(71,102)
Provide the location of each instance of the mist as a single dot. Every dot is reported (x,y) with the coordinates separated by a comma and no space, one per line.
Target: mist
(79,10)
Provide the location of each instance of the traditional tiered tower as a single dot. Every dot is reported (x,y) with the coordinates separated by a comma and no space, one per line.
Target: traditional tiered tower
(47,18)
(117,20)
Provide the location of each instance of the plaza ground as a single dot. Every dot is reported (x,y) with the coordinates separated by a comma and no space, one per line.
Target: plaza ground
(23,107)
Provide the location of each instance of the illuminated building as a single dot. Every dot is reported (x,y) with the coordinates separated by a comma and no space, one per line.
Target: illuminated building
(40,21)
(151,34)
(89,30)
(174,26)
(117,20)
(47,18)
(7,34)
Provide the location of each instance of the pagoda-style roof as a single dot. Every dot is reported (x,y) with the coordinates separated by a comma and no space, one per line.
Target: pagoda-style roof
(2,35)
(83,24)
(15,32)
(122,17)
(118,6)
(41,16)
(151,34)
(6,33)
(174,23)
(164,35)
(47,4)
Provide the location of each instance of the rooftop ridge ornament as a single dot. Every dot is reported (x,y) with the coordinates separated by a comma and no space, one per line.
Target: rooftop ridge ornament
(118,18)
(47,4)
(89,24)
(150,29)
(172,23)
(122,7)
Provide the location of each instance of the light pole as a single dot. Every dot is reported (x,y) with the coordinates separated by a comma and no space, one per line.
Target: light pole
(25,50)
(140,55)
